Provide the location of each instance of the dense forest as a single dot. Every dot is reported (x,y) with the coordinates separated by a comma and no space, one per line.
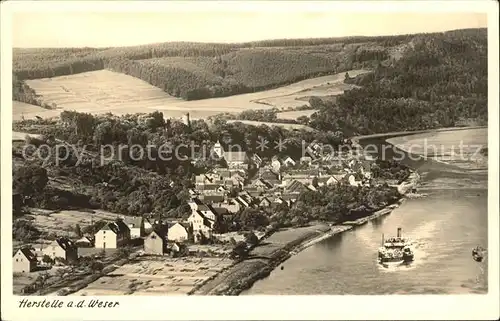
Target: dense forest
(204,70)
(438,82)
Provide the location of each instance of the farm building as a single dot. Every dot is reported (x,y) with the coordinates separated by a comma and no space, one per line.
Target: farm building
(24,261)
(136,226)
(156,242)
(112,235)
(179,232)
(85,241)
(61,248)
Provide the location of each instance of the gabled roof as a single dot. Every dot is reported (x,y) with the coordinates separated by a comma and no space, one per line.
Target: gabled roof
(161,230)
(265,199)
(84,239)
(28,253)
(208,187)
(213,198)
(288,197)
(206,220)
(324,179)
(117,227)
(296,186)
(64,243)
(135,221)
(221,210)
(186,226)
(224,173)
(261,181)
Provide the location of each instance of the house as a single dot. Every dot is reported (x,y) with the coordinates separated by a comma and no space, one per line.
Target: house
(231,205)
(276,165)
(136,226)
(201,225)
(261,184)
(296,187)
(306,160)
(236,159)
(85,241)
(329,179)
(289,198)
(61,248)
(24,261)
(265,202)
(311,187)
(207,210)
(353,181)
(256,160)
(212,198)
(239,177)
(288,161)
(112,235)
(177,249)
(179,232)
(156,242)
(204,188)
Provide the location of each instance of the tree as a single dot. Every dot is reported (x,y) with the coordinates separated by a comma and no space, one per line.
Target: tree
(78,230)
(315,182)
(96,267)
(47,259)
(251,238)
(30,180)
(240,250)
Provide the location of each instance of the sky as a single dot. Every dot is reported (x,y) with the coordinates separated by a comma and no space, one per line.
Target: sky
(73,29)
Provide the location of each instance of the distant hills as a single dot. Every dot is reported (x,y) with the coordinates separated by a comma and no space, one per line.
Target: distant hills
(422,80)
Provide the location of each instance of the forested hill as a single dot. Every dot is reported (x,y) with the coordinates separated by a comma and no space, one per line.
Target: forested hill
(441,80)
(204,70)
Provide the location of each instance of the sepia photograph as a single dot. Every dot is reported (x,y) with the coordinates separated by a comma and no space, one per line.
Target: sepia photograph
(247,152)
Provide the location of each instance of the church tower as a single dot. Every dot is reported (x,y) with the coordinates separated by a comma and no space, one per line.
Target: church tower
(218,150)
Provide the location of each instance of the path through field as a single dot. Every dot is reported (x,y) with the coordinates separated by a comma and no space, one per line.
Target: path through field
(104,91)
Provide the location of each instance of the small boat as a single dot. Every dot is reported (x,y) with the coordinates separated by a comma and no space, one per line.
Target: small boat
(395,251)
(478,254)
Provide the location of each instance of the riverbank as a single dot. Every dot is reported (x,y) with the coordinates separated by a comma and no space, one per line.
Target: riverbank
(281,245)
(385,136)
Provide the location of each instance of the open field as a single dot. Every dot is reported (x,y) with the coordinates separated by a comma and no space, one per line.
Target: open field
(298,94)
(294,114)
(21,137)
(156,276)
(100,91)
(104,91)
(28,111)
(65,221)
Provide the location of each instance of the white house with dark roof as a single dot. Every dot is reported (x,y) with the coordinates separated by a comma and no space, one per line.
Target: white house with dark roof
(61,248)
(200,224)
(24,261)
(112,235)
(179,232)
(136,226)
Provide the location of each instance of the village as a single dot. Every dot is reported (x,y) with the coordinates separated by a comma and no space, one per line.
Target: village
(215,198)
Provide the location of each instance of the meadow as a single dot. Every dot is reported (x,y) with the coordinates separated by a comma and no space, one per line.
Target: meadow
(104,91)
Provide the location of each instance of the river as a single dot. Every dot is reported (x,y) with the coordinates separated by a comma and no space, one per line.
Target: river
(446,221)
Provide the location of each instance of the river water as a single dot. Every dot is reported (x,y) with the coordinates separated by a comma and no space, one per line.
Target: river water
(446,222)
